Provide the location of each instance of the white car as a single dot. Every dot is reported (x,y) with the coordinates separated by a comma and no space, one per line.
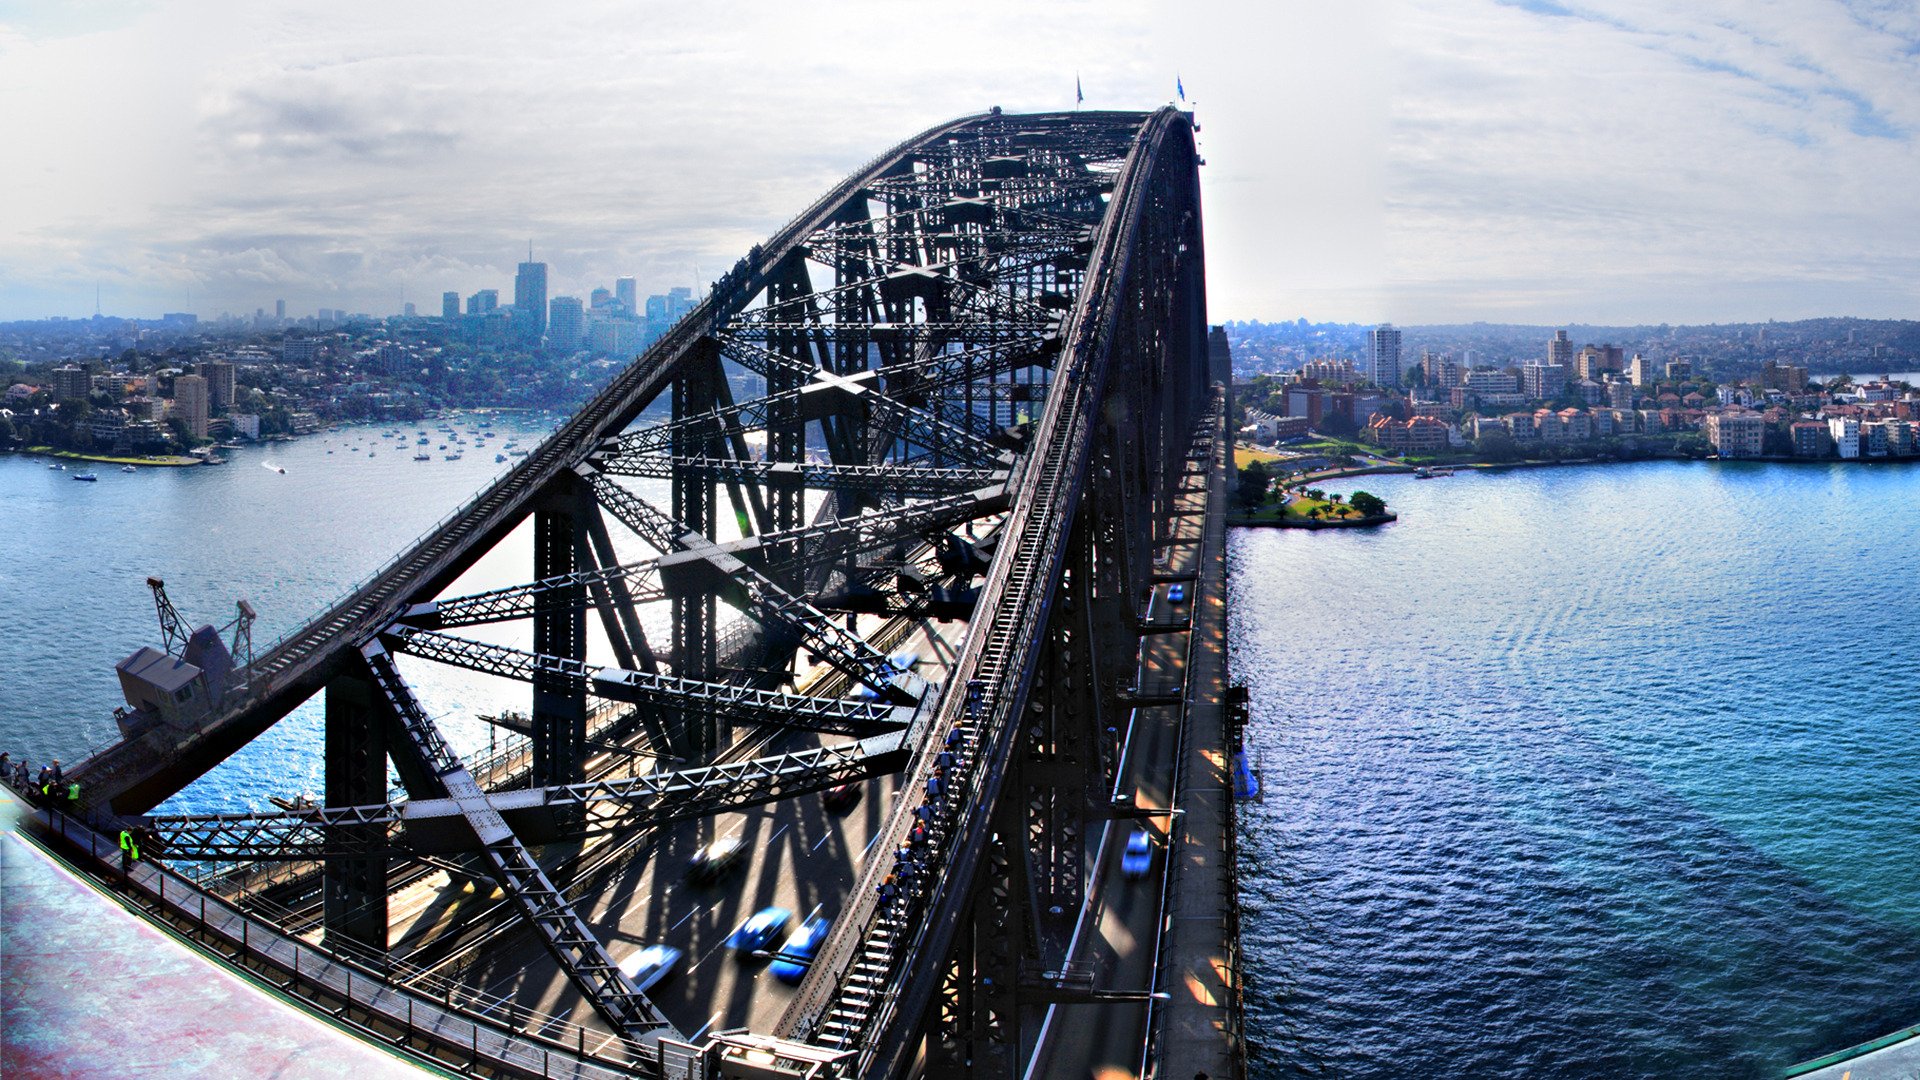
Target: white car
(649,965)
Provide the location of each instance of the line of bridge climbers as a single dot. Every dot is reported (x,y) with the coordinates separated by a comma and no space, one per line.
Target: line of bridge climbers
(916,855)
(50,788)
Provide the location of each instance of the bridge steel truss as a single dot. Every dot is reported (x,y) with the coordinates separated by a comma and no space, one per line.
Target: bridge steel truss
(1000,321)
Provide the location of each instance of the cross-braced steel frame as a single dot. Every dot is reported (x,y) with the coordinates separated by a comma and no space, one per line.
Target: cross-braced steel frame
(999,324)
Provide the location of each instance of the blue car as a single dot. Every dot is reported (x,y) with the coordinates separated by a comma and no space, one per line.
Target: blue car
(1177,593)
(1138,859)
(791,965)
(758,930)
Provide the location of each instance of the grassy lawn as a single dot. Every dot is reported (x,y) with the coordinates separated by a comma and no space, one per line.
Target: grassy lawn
(1244,456)
(1299,509)
(71,455)
(1332,447)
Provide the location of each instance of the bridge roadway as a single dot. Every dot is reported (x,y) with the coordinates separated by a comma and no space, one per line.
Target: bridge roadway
(1119,931)
(799,856)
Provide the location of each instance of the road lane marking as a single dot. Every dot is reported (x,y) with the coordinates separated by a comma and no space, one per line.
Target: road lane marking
(711,1020)
(683,921)
(816,846)
(777,832)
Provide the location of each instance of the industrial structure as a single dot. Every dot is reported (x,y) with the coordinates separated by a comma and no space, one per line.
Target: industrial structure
(959,545)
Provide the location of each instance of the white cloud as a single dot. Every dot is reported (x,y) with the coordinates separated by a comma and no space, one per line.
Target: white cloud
(1414,160)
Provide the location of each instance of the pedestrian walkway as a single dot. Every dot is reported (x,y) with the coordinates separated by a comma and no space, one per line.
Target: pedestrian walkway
(1200,1023)
(88,989)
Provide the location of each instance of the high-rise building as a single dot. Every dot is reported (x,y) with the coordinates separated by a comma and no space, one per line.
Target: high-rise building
(568,324)
(1542,381)
(530,302)
(450,306)
(599,298)
(1383,354)
(1560,350)
(1642,371)
(280,310)
(627,291)
(483,301)
(409,310)
(72,383)
(219,376)
(190,403)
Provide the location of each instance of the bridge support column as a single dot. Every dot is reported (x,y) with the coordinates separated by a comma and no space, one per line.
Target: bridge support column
(559,629)
(354,886)
(694,645)
(975,1029)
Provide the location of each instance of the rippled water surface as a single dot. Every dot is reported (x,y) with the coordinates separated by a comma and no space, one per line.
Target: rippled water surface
(1572,772)
(1584,772)
(74,558)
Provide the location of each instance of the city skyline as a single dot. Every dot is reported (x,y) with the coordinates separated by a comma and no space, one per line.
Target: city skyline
(1407,161)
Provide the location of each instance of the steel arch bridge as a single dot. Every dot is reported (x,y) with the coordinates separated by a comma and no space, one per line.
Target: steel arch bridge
(978,371)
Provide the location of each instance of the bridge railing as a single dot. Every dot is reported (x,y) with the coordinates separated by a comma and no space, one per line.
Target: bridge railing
(363,990)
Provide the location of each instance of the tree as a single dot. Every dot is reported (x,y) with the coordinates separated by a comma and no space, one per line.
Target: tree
(1254,482)
(1693,445)
(1367,503)
(1496,445)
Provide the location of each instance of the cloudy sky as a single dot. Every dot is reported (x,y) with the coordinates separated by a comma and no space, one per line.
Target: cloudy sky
(1405,160)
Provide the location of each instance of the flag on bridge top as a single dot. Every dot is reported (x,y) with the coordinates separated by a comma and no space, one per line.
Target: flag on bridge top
(1178,88)
(1078,97)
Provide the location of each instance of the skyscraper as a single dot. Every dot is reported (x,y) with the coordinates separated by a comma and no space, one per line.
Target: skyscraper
(190,403)
(627,291)
(280,310)
(1383,354)
(568,324)
(219,376)
(530,301)
(450,306)
(1560,350)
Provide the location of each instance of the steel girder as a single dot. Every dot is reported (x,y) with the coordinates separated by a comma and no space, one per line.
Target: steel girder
(825,394)
(903,480)
(878,970)
(803,712)
(567,937)
(439,826)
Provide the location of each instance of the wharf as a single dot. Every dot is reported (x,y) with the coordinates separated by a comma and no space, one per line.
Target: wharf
(88,988)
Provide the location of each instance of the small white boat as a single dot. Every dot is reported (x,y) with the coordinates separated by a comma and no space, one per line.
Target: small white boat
(126,468)
(87,476)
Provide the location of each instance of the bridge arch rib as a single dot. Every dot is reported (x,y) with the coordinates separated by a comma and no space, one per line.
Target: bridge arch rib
(957,389)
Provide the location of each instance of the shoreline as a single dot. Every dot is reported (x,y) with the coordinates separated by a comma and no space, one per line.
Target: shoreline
(1246,521)
(164,461)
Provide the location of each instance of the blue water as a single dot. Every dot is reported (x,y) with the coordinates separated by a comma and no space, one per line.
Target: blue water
(74,559)
(1603,771)
(1571,772)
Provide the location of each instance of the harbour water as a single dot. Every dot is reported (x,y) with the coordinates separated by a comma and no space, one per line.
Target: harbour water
(1571,772)
(1592,771)
(290,526)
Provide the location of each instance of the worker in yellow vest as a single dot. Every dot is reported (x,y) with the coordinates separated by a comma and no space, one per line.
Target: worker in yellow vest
(129,849)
